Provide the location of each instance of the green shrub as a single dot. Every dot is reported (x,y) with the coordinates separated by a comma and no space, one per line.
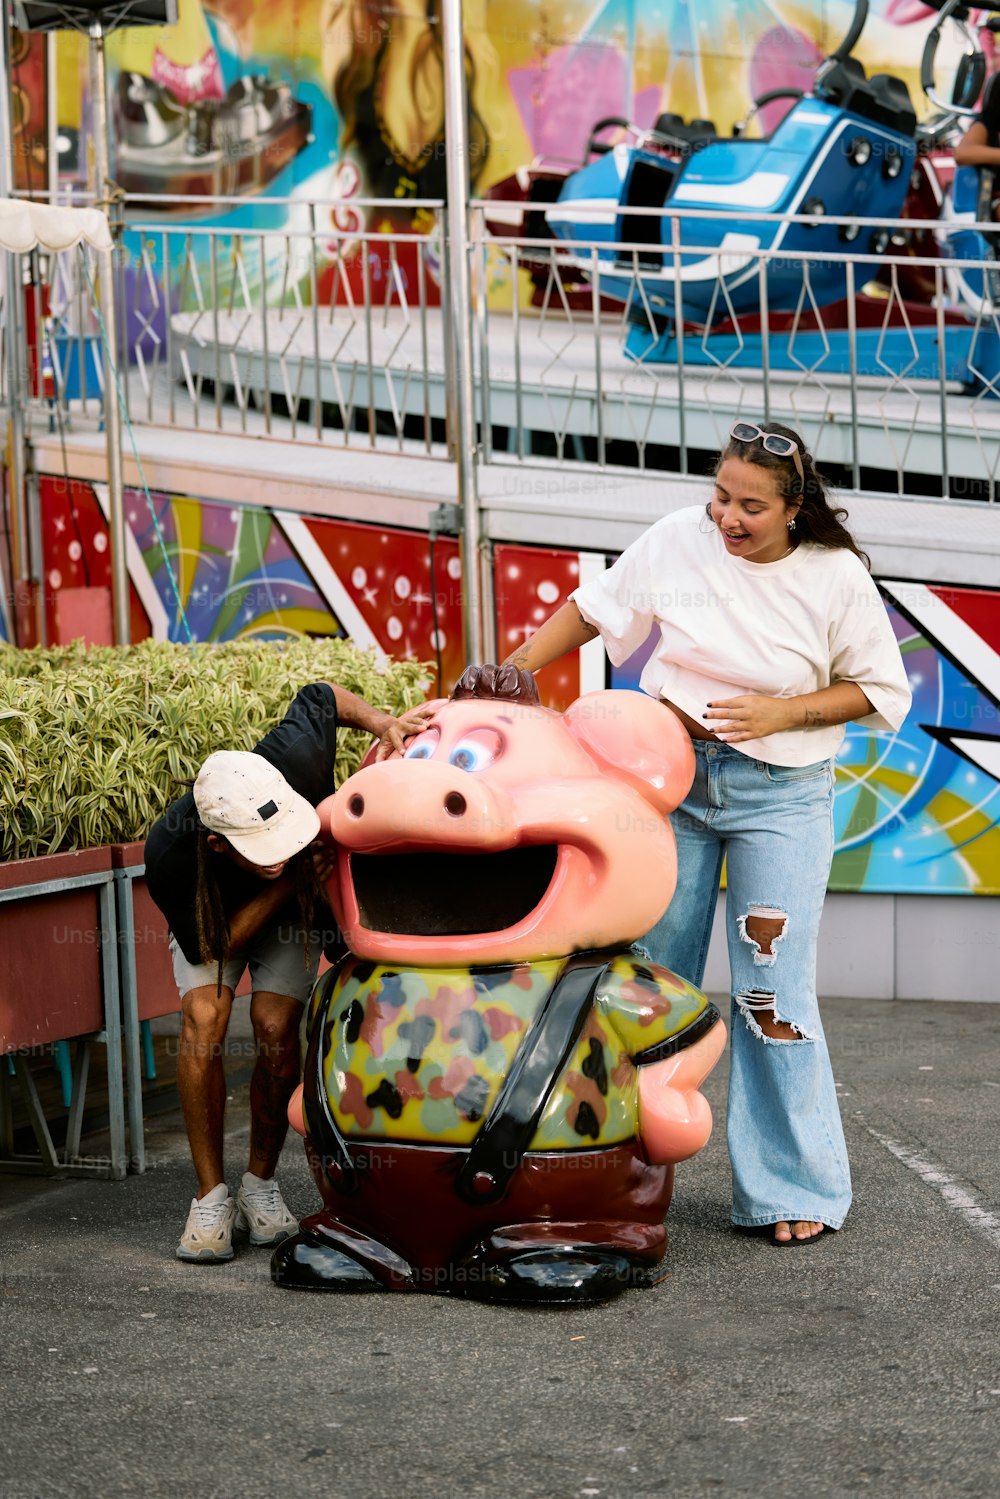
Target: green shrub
(93,740)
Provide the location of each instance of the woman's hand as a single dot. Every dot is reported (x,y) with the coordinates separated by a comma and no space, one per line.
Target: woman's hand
(753,717)
(394,732)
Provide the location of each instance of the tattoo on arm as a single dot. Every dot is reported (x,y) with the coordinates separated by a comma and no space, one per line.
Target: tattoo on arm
(814,718)
(518,658)
(523,655)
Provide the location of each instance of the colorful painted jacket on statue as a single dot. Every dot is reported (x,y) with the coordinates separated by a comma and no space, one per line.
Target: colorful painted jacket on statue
(418,1055)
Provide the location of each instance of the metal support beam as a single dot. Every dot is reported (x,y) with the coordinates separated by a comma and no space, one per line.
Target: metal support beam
(460,320)
(106,284)
(14,325)
(51,118)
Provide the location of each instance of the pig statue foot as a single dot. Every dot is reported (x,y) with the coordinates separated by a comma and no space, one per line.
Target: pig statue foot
(546,1276)
(305,1263)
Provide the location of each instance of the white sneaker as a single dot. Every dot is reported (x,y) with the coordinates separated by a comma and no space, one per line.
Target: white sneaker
(260,1208)
(208,1233)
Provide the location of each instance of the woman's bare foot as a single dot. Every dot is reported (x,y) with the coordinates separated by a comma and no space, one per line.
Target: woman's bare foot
(804,1229)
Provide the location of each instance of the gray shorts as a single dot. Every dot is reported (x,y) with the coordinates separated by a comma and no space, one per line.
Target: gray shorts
(276,958)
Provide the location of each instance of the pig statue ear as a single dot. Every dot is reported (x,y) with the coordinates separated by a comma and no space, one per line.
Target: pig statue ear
(638,739)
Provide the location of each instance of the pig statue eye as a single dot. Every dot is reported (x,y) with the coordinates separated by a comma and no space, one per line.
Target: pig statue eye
(476,750)
(423,746)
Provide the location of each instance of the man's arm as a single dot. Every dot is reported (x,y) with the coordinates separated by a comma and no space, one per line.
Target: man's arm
(245,923)
(564,631)
(354,713)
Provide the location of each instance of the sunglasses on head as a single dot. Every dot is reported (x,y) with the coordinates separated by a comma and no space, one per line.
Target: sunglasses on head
(772,442)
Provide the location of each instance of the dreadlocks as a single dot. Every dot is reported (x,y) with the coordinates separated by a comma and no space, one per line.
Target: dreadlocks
(210,914)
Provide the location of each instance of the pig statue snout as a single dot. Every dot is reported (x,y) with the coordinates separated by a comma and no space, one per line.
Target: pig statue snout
(388,804)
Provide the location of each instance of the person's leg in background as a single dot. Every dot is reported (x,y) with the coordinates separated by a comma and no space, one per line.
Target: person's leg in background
(201,1085)
(281,981)
(785,1136)
(201,1081)
(275,1019)
(283,965)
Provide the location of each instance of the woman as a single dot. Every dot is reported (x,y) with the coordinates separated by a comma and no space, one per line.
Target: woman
(772,637)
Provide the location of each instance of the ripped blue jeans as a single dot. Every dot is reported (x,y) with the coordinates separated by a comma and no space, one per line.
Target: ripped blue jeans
(774,825)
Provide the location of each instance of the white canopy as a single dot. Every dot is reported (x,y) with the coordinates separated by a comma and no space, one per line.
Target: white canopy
(23,226)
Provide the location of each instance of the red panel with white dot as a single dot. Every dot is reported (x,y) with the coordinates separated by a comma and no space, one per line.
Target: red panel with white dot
(387,573)
(531,583)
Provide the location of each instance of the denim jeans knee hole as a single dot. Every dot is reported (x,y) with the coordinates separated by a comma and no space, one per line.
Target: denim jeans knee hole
(759,1008)
(763,927)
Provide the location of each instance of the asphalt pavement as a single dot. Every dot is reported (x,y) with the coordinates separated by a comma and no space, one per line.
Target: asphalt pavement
(866,1363)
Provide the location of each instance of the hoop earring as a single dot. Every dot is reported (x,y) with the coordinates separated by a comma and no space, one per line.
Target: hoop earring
(790,523)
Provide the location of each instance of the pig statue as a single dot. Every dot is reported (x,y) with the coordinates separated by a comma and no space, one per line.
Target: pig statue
(496,1087)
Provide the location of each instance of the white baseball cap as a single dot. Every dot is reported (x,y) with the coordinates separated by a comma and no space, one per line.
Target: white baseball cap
(242,796)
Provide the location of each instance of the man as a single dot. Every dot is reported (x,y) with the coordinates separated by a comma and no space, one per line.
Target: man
(235,869)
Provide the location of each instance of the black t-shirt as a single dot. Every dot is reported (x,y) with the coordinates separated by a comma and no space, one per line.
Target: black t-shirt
(302,747)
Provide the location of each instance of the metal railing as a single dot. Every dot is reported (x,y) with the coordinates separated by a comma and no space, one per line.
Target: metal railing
(337,333)
(338,337)
(907,404)
(311,330)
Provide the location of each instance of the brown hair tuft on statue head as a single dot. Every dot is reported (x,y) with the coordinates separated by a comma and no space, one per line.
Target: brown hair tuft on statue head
(508,683)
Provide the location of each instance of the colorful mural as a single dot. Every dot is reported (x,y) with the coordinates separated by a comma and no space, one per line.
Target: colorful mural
(915,812)
(927,800)
(347,95)
(231,571)
(29,107)
(77,565)
(7,631)
(204,570)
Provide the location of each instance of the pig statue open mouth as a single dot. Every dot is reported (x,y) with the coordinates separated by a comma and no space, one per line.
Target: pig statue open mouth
(496,1088)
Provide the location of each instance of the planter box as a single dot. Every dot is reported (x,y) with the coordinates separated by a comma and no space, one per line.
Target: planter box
(51,949)
(84,956)
(143,938)
(59,982)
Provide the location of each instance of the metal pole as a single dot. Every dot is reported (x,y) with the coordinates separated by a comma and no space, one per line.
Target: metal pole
(852,352)
(51,119)
(7,153)
(460,305)
(14,306)
(106,283)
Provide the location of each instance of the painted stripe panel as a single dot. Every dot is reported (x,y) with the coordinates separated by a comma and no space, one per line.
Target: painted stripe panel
(978,659)
(326,580)
(139,574)
(982,752)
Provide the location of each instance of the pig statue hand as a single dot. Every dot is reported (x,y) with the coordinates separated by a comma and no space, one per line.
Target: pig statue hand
(675,1120)
(496,1087)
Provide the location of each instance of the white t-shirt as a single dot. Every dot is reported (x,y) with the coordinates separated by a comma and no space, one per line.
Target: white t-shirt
(729,626)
